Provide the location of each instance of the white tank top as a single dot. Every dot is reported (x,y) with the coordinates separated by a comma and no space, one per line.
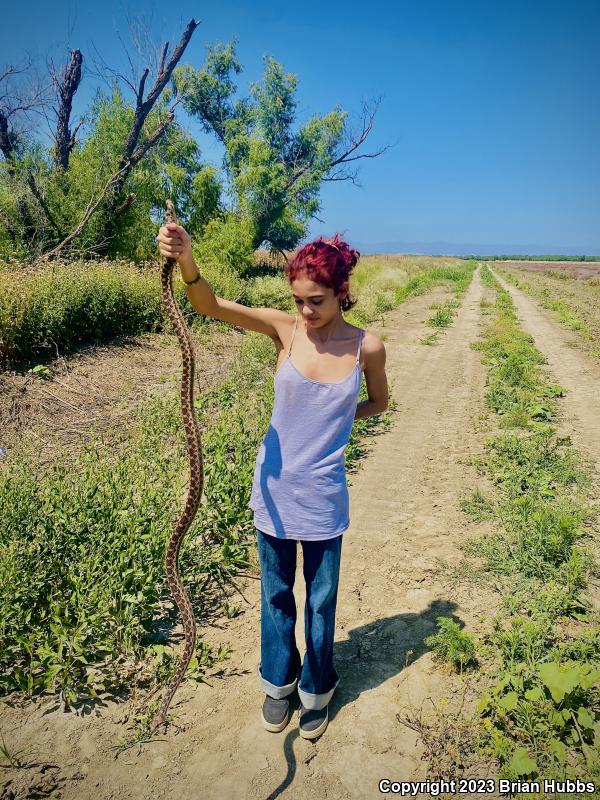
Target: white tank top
(299,487)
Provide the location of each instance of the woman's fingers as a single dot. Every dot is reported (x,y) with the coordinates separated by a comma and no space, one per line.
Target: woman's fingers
(171,239)
(170,231)
(169,245)
(170,251)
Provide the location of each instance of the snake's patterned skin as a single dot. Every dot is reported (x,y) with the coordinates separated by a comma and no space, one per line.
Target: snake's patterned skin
(196,484)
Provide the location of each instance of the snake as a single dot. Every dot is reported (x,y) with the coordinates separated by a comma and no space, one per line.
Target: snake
(195,486)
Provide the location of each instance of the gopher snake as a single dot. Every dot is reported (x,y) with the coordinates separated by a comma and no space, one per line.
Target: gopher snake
(196,484)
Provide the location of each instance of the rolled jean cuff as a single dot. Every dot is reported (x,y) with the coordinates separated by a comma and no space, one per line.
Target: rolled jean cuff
(316,702)
(276,692)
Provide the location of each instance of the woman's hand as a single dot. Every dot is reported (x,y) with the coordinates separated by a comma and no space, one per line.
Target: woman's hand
(175,242)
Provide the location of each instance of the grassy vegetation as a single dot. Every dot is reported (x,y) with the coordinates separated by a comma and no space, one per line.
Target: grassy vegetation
(66,305)
(575,303)
(450,644)
(444,314)
(83,597)
(540,713)
(59,307)
(536,258)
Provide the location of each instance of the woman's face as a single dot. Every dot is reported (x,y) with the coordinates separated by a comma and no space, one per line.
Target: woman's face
(316,303)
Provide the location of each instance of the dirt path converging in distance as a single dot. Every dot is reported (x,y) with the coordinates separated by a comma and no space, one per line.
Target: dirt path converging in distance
(570,367)
(405,526)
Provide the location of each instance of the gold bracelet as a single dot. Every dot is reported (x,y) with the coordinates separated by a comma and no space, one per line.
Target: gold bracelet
(189,283)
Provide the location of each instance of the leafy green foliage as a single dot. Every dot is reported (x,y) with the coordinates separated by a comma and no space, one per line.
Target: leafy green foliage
(75,304)
(544,708)
(452,644)
(172,168)
(273,171)
(444,314)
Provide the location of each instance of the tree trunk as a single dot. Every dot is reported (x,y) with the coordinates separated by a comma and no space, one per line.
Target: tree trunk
(65,139)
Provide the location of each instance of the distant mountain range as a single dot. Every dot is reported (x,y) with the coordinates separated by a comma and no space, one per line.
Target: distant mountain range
(465,249)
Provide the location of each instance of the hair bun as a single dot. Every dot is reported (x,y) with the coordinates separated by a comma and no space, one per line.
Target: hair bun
(349,255)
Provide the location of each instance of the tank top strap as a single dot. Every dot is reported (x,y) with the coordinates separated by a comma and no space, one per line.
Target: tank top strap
(360,338)
(293,334)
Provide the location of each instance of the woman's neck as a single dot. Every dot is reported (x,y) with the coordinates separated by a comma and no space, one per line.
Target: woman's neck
(326,332)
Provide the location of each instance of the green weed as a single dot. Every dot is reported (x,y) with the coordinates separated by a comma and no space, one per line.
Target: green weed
(541,714)
(451,644)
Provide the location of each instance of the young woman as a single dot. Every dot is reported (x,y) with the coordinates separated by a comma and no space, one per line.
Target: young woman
(299,490)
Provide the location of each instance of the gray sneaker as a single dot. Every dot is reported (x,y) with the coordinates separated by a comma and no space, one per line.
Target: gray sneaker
(275,713)
(312,722)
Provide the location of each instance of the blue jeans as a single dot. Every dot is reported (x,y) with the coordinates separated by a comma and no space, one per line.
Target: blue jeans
(280,670)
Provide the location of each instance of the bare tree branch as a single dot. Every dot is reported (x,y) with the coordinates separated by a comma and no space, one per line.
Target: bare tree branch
(104,66)
(140,91)
(144,107)
(352,178)
(151,140)
(92,206)
(41,200)
(355,141)
(163,55)
(17,102)
(74,134)
(133,151)
(6,143)
(127,203)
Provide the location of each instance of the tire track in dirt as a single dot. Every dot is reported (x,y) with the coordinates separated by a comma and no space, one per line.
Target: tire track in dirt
(405,523)
(571,368)
(405,526)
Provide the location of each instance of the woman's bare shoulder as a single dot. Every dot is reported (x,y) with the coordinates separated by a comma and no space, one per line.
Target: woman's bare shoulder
(373,348)
(371,342)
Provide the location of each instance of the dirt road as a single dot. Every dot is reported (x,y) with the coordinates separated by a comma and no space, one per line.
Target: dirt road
(570,367)
(406,524)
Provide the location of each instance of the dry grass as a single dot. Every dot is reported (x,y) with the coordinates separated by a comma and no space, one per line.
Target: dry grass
(572,298)
(575,269)
(96,390)
(267,259)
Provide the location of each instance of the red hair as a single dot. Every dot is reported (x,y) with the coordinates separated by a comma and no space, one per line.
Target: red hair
(328,262)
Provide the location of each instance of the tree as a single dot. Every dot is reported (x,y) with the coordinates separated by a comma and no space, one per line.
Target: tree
(44,206)
(172,168)
(101,187)
(66,85)
(274,173)
(20,100)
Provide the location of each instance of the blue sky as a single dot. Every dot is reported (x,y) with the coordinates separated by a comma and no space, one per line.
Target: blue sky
(494,107)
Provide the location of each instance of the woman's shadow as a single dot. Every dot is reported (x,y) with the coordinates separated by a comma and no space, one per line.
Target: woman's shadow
(382,648)
(370,655)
